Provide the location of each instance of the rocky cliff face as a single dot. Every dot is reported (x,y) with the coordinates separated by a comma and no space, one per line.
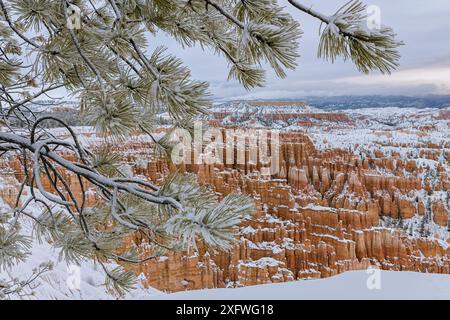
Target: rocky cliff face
(326,211)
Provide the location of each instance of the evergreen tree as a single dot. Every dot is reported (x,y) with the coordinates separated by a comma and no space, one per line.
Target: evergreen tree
(424,230)
(99,51)
(447,200)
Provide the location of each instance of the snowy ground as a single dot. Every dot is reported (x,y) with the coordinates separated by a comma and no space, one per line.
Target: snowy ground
(63,281)
(351,285)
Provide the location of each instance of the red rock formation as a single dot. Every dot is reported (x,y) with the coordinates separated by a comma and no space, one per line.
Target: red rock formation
(440,213)
(320,215)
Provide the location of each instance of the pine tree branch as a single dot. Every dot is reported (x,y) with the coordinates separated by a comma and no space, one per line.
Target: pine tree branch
(75,41)
(225,14)
(310,11)
(144,60)
(33,97)
(13,27)
(39,150)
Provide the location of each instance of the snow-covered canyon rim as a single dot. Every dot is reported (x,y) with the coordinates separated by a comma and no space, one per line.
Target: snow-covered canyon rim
(353,285)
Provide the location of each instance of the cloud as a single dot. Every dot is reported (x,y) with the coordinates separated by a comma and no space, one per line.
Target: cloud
(424,69)
(435,77)
(416,81)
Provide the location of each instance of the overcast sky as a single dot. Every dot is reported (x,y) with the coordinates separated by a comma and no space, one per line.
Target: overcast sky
(424,26)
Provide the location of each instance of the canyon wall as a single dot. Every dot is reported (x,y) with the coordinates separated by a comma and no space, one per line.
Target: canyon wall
(322,213)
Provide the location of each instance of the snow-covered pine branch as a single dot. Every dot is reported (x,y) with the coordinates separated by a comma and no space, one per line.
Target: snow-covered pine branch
(346,34)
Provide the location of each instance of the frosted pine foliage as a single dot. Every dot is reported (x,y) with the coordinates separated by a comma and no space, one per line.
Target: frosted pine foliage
(214,226)
(346,34)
